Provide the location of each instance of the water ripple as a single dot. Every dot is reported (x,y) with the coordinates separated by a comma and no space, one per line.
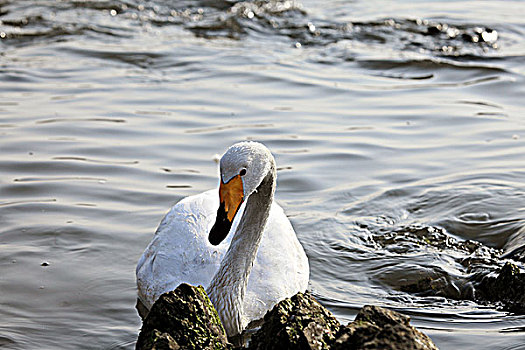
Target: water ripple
(227,127)
(83,159)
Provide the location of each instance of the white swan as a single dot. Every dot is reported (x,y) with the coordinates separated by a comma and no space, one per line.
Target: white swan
(184,249)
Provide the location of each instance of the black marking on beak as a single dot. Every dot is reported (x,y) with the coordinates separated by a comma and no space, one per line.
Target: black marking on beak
(222,226)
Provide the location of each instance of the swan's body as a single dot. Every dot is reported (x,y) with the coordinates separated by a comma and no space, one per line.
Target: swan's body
(264,238)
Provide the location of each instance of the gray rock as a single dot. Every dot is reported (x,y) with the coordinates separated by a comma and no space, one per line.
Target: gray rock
(155,340)
(378,328)
(506,289)
(296,323)
(481,278)
(183,319)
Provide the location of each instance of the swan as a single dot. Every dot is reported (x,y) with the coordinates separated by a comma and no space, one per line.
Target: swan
(245,273)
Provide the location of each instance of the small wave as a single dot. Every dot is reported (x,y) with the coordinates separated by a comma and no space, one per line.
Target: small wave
(282,20)
(72,178)
(178,186)
(5,341)
(82,159)
(62,120)
(227,127)
(29,201)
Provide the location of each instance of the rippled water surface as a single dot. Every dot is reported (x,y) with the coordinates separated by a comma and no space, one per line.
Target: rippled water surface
(391,122)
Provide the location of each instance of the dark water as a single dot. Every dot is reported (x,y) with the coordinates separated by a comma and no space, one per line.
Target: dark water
(386,119)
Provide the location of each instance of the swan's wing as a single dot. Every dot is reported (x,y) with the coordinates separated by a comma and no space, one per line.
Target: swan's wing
(280,269)
(180,252)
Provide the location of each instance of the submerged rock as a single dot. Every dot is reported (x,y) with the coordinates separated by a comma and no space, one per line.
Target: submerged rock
(378,328)
(507,288)
(296,323)
(412,238)
(478,274)
(183,319)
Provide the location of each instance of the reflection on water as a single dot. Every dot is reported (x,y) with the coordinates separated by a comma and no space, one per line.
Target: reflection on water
(397,128)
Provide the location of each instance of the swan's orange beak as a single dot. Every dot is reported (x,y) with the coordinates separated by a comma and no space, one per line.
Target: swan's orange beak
(231,196)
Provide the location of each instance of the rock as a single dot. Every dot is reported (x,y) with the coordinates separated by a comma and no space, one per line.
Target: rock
(296,323)
(186,319)
(508,288)
(412,237)
(155,340)
(302,323)
(183,319)
(478,274)
(378,328)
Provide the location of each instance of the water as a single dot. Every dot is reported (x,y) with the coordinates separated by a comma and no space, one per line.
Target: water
(383,117)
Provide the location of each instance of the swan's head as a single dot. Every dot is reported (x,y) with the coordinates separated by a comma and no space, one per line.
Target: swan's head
(242,169)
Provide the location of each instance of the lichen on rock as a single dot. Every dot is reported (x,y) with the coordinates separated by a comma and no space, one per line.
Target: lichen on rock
(378,328)
(299,322)
(156,340)
(183,319)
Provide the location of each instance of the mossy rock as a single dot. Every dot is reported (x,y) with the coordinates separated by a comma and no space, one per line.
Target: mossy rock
(379,328)
(156,340)
(298,323)
(183,319)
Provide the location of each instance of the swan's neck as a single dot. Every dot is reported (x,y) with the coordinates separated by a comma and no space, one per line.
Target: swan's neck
(228,286)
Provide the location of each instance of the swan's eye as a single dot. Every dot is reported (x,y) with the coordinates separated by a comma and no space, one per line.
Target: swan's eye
(242,172)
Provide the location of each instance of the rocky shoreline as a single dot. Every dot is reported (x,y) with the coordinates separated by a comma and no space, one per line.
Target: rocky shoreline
(186,319)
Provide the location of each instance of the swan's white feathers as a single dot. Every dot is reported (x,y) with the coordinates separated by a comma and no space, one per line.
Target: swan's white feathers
(180,252)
